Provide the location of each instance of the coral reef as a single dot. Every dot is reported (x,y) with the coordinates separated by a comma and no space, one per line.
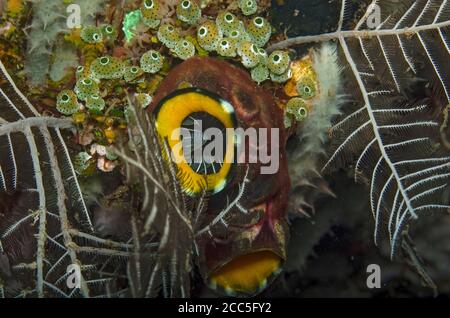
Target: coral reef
(107,196)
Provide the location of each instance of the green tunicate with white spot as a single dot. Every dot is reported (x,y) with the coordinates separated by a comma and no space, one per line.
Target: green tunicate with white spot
(306,88)
(228,23)
(263,57)
(150,11)
(152,61)
(91,34)
(279,62)
(240,35)
(80,72)
(249,54)
(260,73)
(281,78)
(132,73)
(109,33)
(168,35)
(184,49)
(209,35)
(86,87)
(95,103)
(107,67)
(259,30)
(227,47)
(188,11)
(248,7)
(67,103)
(297,108)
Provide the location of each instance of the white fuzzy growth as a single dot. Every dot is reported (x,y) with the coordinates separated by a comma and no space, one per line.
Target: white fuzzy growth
(89,9)
(312,133)
(64,58)
(48,23)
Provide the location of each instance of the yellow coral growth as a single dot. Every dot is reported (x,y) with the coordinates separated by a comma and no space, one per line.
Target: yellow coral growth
(74,37)
(14,7)
(91,52)
(300,69)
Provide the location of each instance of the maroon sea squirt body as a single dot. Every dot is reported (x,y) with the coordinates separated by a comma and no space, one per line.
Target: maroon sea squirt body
(223,255)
